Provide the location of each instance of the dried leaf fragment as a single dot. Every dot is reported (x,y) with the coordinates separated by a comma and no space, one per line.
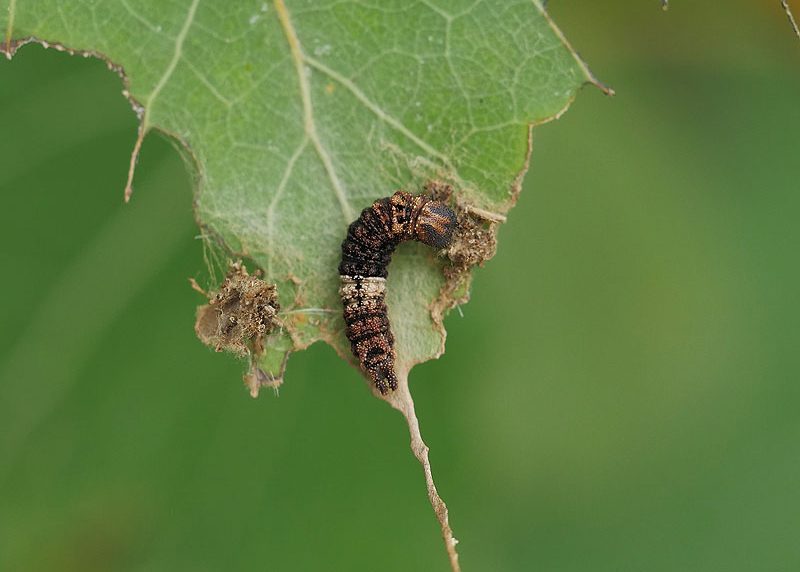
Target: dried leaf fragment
(239,315)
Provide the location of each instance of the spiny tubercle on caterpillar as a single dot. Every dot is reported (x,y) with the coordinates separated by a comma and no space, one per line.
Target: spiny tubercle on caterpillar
(366,253)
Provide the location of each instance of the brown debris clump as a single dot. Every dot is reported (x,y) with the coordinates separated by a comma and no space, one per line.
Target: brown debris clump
(239,315)
(475,238)
(474,242)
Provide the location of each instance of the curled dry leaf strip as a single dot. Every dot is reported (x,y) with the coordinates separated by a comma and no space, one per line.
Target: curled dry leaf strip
(238,317)
(404,403)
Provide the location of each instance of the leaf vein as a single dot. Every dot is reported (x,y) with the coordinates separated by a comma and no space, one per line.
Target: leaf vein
(63,17)
(276,198)
(436,9)
(382,115)
(148,109)
(205,81)
(308,109)
(456,76)
(12,10)
(176,57)
(153,28)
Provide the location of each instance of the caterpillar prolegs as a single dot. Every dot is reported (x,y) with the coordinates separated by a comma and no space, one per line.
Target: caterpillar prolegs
(366,254)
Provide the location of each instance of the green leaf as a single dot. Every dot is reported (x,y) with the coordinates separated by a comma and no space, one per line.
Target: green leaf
(296,115)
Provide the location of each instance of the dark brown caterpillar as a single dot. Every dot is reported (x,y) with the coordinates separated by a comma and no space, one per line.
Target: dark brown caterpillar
(366,253)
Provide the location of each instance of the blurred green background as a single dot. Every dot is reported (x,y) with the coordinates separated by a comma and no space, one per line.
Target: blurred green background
(620,394)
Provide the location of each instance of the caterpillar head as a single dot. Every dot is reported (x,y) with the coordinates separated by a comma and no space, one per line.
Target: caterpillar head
(435,225)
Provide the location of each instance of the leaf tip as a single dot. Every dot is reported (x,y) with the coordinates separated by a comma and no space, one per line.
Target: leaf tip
(402,400)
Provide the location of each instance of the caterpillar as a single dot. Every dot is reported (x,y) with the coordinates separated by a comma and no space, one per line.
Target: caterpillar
(366,254)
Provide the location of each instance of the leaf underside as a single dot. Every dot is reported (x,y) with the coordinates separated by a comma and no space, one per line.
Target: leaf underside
(295,116)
